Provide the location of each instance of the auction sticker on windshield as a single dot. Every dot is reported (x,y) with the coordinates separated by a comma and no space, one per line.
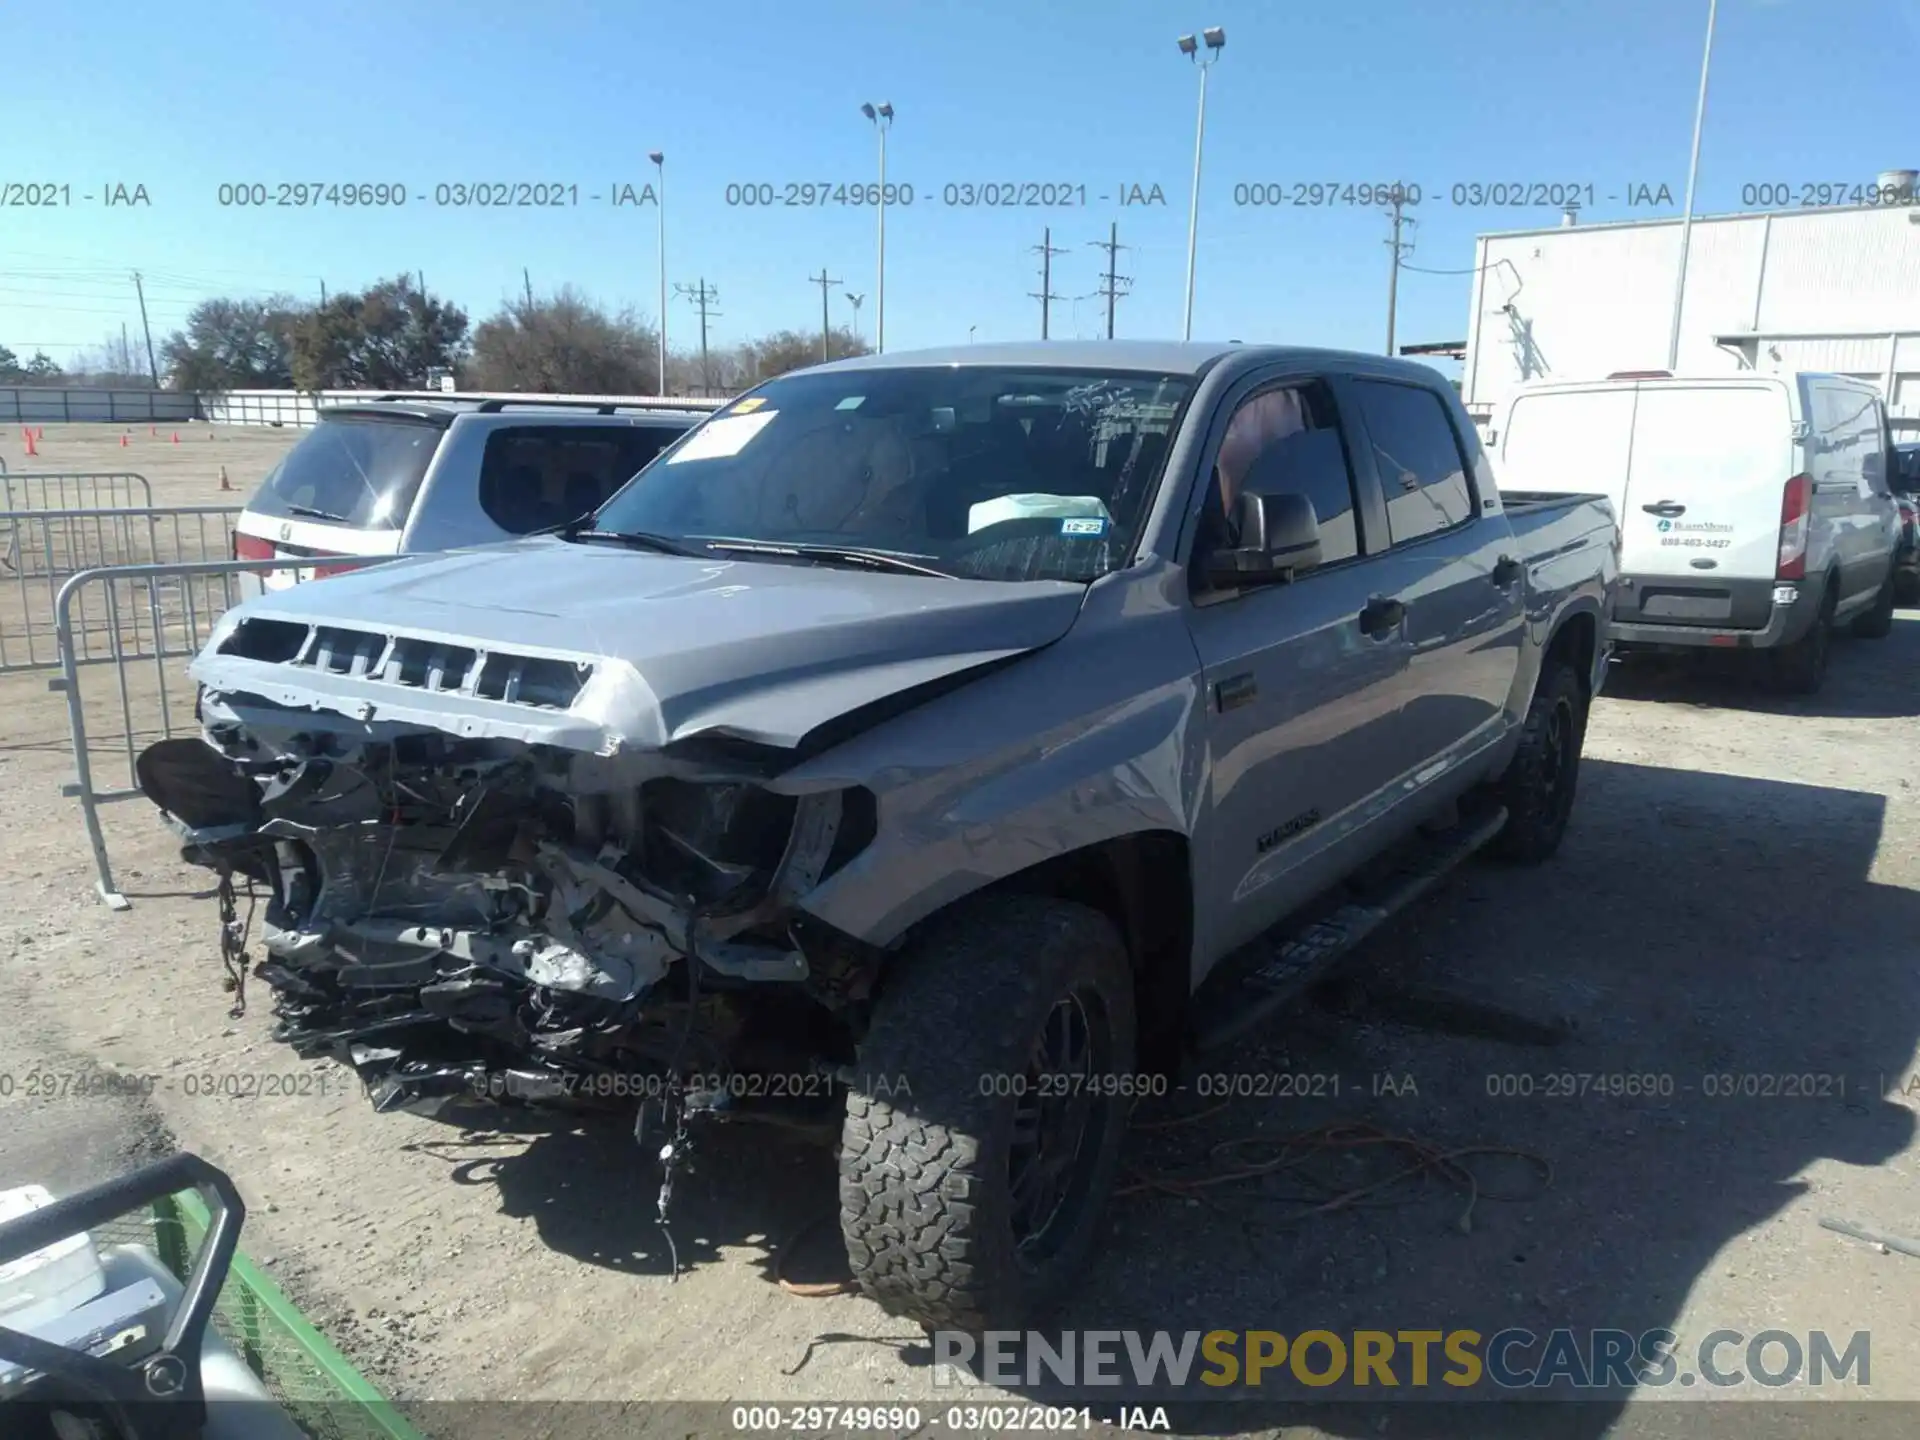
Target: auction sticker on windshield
(719,438)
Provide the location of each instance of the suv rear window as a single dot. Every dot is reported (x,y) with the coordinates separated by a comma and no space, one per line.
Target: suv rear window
(362,471)
(535,477)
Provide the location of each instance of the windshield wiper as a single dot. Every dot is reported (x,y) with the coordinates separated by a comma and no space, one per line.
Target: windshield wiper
(848,555)
(315,513)
(640,539)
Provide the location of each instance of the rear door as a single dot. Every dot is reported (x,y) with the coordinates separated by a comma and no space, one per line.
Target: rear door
(1567,442)
(1705,480)
(1455,568)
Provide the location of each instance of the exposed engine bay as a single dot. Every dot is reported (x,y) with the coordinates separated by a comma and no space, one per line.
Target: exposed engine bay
(480,917)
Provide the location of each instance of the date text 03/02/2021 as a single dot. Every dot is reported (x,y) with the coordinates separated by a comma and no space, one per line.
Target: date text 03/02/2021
(988,194)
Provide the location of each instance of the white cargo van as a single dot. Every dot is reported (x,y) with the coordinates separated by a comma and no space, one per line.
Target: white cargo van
(1755,510)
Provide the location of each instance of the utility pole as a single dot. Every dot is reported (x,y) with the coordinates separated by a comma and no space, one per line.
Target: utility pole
(1693,174)
(1046,297)
(526,277)
(704,296)
(825,282)
(153,368)
(323,294)
(854,300)
(1110,283)
(1399,247)
(423,285)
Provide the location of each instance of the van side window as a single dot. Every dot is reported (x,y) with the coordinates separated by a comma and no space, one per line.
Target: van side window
(1285,440)
(1418,456)
(536,477)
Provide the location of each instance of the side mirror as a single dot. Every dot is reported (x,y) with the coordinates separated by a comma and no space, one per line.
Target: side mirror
(1277,538)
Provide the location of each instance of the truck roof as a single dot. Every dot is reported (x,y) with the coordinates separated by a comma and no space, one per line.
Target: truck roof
(1166,357)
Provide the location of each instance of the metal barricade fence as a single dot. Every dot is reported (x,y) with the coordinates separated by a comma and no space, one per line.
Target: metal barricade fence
(65,490)
(74,490)
(46,546)
(150,707)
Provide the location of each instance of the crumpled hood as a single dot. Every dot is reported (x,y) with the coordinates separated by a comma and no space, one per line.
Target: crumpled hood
(666,647)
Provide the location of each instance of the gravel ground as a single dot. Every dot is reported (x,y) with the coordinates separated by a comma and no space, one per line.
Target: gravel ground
(1738,896)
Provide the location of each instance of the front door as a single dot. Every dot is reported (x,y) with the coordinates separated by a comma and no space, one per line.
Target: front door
(1301,693)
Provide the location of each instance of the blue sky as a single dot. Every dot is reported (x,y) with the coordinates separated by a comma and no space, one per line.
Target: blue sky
(185,96)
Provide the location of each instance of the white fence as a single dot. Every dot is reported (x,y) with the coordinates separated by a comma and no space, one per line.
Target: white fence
(302,407)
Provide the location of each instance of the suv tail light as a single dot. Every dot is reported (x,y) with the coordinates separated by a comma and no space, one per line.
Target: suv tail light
(251,547)
(1796,505)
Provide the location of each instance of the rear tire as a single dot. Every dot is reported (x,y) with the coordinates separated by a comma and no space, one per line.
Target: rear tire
(954,1212)
(1538,786)
(1877,622)
(1801,668)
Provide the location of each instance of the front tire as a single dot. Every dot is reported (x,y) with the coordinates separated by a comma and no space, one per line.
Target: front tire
(1538,786)
(984,1128)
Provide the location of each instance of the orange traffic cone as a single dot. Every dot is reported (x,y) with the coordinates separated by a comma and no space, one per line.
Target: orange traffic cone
(32,448)
(176,437)
(224,484)
(123,439)
(153,429)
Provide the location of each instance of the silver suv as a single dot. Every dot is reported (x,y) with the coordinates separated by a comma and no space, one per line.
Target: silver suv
(389,476)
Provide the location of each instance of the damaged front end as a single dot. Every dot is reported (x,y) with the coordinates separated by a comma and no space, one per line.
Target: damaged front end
(470,916)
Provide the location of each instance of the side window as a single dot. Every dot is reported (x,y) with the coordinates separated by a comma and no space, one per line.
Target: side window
(534,477)
(1418,457)
(1286,440)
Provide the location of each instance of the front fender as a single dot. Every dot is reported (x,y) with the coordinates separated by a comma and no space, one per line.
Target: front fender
(1088,740)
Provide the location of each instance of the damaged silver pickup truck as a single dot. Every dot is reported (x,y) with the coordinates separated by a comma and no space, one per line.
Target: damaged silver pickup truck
(931,743)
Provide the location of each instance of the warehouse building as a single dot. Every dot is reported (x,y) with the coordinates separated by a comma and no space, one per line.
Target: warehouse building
(1835,289)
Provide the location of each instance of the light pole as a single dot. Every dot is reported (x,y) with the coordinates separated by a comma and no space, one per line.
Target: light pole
(1216,39)
(659,160)
(1686,216)
(855,301)
(882,117)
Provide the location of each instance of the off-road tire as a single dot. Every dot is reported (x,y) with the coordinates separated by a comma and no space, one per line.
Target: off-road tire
(1876,623)
(926,1195)
(1801,668)
(1539,784)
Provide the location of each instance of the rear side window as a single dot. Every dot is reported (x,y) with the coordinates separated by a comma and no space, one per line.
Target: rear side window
(1421,469)
(359,471)
(537,477)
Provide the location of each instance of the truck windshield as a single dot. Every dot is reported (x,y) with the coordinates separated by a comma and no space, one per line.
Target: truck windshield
(360,471)
(983,472)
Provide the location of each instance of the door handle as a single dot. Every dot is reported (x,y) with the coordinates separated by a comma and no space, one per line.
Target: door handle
(1666,509)
(1382,616)
(1506,571)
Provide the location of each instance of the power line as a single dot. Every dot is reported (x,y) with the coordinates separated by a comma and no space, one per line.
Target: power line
(1397,247)
(1046,297)
(825,282)
(1110,283)
(704,296)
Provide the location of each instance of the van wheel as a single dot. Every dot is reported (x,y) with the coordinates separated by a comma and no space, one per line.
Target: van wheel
(984,1128)
(1538,786)
(1877,623)
(1801,668)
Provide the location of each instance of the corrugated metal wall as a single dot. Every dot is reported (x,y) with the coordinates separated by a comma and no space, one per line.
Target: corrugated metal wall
(1583,301)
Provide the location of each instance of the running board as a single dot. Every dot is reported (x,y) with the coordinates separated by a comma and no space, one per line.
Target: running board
(1272,972)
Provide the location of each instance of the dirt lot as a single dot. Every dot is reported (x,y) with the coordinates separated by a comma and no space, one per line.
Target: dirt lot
(1738,899)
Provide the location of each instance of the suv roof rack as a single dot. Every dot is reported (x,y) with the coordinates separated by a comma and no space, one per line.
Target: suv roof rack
(493,404)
